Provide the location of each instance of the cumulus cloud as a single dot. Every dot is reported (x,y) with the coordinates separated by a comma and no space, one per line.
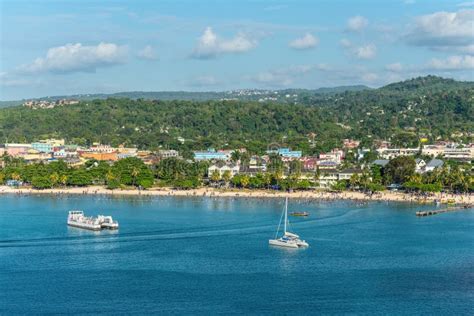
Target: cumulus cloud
(357,23)
(147,53)
(395,67)
(444,31)
(366,51)
(305,42)
(210,45)
(77,58)
(452,63)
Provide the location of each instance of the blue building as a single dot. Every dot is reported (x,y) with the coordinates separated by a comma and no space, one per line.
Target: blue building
(42,147)
(287,153)
(210,155)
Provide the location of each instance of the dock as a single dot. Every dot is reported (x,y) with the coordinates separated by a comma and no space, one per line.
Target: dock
(445,210)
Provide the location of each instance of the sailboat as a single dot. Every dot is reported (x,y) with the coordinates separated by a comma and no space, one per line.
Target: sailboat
(289,240)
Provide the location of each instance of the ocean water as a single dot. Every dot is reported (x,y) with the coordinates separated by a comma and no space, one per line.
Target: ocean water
(211,256)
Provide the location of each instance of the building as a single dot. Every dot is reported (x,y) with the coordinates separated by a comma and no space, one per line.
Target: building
(390,153)
(335,155)
(433,164)
(328,177)
(221,167)
(211,154)
(286,153)
(350,143)
(433,150)
(101,156)
(42,147)
(460,154)
(420,165)
(168,154)
(309,163)
(16,150)
(348,173)
(381,162)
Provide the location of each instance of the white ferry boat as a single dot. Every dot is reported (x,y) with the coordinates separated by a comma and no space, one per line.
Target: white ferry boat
(77,219)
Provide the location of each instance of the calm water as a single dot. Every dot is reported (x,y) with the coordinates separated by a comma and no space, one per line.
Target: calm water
(209,256)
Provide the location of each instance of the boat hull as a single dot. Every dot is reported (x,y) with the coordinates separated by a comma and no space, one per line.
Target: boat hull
(84,226)
(279,243)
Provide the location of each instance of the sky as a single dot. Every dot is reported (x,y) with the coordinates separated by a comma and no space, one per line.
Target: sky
(52,47)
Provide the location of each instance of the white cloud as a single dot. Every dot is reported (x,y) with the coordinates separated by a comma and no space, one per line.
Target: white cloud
(147,53)
(395,67)
(357,23)
(286,76)
(444,30)
(466,4)
(76,58)
(210,46)
(368,51)
(305,42)
(452,63)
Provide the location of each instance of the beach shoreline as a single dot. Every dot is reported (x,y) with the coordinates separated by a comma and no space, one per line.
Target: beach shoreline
(386,196)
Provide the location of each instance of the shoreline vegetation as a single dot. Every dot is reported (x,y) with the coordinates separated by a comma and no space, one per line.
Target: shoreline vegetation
(384,196)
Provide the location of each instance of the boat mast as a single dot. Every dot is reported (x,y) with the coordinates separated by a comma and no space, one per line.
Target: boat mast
(286,214)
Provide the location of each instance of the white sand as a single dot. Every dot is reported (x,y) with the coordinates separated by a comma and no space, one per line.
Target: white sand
(314,194)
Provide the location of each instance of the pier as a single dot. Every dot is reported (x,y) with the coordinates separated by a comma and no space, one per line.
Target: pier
(445,210)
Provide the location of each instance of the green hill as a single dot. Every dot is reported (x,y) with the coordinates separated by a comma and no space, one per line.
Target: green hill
(435,107)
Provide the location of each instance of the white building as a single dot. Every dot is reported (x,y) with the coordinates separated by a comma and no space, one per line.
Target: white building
(222,168)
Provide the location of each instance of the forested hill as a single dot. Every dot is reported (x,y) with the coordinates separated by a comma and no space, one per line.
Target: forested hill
(431,109)
(283,96)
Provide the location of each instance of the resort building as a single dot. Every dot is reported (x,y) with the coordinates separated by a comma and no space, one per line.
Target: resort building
(211,154)
(222,167)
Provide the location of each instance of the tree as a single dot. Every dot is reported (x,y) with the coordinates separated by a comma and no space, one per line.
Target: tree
(40,183)
(215,176)
(399,170)
(226,176)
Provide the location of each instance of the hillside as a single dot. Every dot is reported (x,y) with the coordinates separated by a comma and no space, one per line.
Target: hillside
(389,112)
(242,94)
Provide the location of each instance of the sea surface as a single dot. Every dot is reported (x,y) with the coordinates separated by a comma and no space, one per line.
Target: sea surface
(202,255)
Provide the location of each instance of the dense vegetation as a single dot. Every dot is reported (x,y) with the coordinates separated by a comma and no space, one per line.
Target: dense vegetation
(430,106)
(182,174)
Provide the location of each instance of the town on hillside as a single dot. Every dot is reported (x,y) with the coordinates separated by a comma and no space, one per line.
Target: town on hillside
(326,169)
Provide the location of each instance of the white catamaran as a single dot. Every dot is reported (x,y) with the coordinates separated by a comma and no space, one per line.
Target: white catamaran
(288,239)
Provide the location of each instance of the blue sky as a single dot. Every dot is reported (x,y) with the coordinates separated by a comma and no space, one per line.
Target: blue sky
(71,46)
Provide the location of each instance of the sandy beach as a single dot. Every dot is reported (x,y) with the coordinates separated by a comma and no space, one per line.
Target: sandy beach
(313,194)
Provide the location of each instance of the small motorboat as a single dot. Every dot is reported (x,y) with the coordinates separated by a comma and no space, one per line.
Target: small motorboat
(299,213)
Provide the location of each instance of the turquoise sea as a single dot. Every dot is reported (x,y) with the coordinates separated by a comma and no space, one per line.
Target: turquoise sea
(205,255)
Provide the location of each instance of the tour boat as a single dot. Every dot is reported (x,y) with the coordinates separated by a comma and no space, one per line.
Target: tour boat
(77,219)
(288,240)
